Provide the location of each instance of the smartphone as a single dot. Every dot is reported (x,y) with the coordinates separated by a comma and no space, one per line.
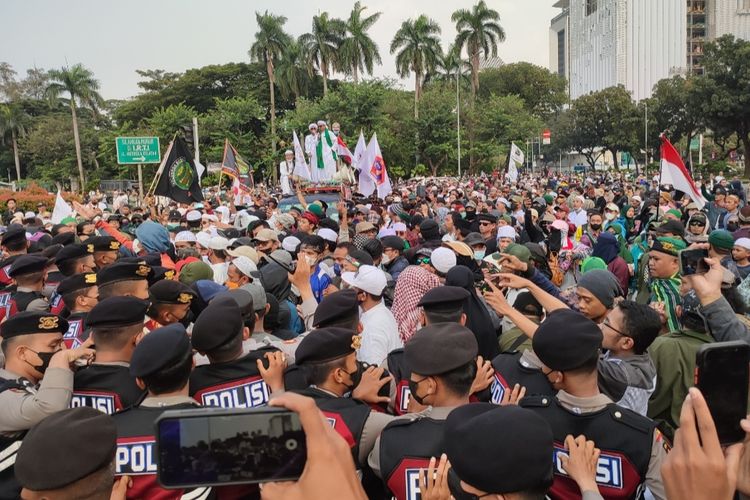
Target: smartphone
(722,371)
(691,262)
(217,447)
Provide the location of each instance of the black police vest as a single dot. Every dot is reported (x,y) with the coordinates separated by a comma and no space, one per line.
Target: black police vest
(10,488)
(136,452)
(509,372)
(23,299)
(107,388)
(623,436)
(400,372)
(236,384)
(77,332)
(347,416)
(405,447)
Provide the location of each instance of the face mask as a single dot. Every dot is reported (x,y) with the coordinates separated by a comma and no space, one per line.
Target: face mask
(337,269)
(46,357)
(732,227)
(610,216)
(311,261)
(457,492)
(413,386)
(386,259)
(356,375)
(231,285)
(479,254)
(595,227)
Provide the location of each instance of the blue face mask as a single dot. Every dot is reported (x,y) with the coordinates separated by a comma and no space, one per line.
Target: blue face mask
(479,254)
(337,269)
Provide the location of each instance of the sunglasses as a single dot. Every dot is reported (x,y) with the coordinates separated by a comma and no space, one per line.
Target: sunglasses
(697,223)
(423,260)
(485,223)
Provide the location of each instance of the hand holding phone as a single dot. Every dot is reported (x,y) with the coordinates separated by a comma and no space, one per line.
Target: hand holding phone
(693,262)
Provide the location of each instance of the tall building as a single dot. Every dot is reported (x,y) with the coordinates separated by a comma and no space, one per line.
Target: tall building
(559,31)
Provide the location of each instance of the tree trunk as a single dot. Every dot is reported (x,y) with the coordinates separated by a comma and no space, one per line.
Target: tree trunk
(614,159)
(356,73)
(269,68)
(78,142)
(324,72)
(15,155)
(474,75)
(416,95)
(746,145)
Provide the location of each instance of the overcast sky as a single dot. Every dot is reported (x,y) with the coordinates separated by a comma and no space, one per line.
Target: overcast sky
(114,39)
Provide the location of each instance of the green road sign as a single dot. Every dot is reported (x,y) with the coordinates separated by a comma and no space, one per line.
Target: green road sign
(135,150)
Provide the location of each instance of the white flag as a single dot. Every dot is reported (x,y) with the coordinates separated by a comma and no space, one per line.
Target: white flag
(300,165)
(516,155)
(61,211)
(373,173)
(359,151)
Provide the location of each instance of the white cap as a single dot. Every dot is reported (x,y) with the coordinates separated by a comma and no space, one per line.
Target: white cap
(399,226)
(321,122)
(290,243)
(203,238)
(328,234)
(29,215)
(224,211)
(185,236)
(743,242)
(370,279)
(218,243)
(612,207)
(506,232)
(636,197)
(288,152)
(193,216)
(503,201)
(244,265)
(312,126)
(443,259)
(245,251)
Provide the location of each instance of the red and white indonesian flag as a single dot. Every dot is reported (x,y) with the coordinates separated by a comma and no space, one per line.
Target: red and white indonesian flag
(673,172)
(343,151)
(373,174)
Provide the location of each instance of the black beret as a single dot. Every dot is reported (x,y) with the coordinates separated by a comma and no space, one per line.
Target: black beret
(76,282)
(73,252)
(429,225)
(159,349)
(393,242)
(440,348)
(29,322)
(478,437)
(44,460)
(28,264)
(326,344)
(51,251)
(335,306)
(243,299)
(15,233)
(362,257)
(171,292)
(104,243)
(67,238)
(114,312)
(123,271)
(566,340)
(159,273)
(444,299)
(219,323)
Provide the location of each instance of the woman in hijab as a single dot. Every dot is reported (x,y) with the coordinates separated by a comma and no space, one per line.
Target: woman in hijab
(607,248)
(412,284)
(627,221)
(477,317)
(617,229)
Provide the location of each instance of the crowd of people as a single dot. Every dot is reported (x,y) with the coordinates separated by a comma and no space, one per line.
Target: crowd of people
(461,338)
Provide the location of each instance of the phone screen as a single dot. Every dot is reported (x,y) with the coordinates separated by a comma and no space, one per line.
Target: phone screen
(219,449)
(722,373)
(691,262)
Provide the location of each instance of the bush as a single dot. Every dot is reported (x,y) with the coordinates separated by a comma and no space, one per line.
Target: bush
(27,199)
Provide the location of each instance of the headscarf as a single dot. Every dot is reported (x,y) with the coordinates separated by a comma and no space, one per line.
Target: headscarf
(629,222)
(153,237)
(607,247)
(412,284)
(477,317)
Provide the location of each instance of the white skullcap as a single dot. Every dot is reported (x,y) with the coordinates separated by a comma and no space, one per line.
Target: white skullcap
(311,126)
(321,123)
(506,232)
(193,216)
(185,236)
(443,259)
(290,243)
(218,243)
(399,226)
(245,265)
(288,152)
(743,242)
(328,234)
(203,238)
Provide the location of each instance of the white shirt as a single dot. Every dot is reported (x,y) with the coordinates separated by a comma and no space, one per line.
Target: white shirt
(220,272)
(578,217)
(379,335)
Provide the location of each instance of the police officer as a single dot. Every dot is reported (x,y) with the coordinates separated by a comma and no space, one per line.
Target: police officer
(75,259)
(632,449)
(29,272)
(124,279)
(116,326)
(170,303)
(232,379)
(83,433)
(36,381)
(161,364)
(105,250)
(442,358)
(439,305)
(79,294)
(14,244)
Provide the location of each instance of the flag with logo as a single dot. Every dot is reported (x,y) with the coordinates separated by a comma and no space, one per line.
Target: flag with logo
(673,172)
(236,167)
(373,174)
(178,177)
(300,164)
(516,158)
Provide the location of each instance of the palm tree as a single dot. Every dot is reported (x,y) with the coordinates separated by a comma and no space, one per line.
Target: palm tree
(294,74)
(80,85)
(323,44)
(480,32)
(358,50)
(12,122)
(418,48)
(270,43)
(448,66)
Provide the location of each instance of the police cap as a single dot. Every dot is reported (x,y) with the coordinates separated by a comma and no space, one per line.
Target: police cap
(43,460)
(74,252)
(76,282)
(242,298)
(114,312)
(566,340)
(219,323)
(444,299)
(477,437)
(29,322)
(15,234)
(104,243)
(440,348)
(326,344)
(170,292)
(67,238)
(159,349)
(28,264)
(335,306)
(123,271)
(159,273)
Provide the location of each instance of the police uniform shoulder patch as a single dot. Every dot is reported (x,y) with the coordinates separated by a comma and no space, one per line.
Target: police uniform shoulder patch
(48,322)
(630,418)
(535,401)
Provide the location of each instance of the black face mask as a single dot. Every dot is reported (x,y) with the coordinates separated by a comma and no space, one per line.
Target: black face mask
(46,357)
(732,227)
(356,375)
(413,386)
(595,227)
(458,493)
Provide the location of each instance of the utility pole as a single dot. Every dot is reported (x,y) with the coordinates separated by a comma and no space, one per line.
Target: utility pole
(645,139)
(458,122)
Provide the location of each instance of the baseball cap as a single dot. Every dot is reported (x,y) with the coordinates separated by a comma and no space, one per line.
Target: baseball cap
(267,235)
(369,279)
(245,251)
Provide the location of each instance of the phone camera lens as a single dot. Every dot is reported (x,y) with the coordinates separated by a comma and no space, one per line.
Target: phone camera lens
(291,444)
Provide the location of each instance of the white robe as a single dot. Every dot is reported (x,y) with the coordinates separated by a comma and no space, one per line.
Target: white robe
(329,160)
(285,170)
(311,143)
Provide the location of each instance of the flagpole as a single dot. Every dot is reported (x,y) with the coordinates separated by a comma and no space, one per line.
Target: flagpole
(221,172)
(160,170)
(658,188)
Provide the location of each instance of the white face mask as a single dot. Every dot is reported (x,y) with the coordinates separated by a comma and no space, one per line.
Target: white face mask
(386,259)
(311,260)
(610,216)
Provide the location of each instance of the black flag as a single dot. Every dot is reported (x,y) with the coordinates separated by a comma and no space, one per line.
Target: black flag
(179,178)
